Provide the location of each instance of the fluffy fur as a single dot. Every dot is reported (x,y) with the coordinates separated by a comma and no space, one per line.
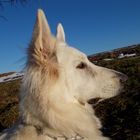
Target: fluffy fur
(58,82)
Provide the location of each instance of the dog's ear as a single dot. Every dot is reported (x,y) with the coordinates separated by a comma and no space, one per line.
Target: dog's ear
(60,33)
(42,46)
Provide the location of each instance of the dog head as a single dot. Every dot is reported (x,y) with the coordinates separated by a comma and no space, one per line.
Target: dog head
(67,69)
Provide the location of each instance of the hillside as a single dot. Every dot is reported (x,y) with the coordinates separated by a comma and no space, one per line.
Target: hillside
(128,51)
(120,115)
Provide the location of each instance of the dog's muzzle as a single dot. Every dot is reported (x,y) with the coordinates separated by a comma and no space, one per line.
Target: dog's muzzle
(122,78)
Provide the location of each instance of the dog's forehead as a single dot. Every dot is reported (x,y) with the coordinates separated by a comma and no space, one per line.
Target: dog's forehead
(75,52)
(69,53)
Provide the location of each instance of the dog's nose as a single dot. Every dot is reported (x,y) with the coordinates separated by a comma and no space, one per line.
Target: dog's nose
(122,77)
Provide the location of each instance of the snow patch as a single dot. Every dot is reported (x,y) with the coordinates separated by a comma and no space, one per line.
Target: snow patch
(11,77)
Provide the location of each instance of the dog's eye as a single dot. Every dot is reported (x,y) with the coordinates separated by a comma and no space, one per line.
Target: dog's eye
(82,65)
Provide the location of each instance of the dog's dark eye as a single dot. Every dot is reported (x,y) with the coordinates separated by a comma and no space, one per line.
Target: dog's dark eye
(82,65)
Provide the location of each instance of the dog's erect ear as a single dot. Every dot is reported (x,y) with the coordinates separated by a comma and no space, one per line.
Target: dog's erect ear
(42,33)
(42,44)
(60,33)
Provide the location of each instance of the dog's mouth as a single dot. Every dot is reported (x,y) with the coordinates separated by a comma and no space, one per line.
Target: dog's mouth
(95,101)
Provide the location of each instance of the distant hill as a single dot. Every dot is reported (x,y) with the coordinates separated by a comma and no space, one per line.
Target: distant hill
(128,51)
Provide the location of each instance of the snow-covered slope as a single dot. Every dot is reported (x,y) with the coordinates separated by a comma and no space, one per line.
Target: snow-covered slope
(11,77)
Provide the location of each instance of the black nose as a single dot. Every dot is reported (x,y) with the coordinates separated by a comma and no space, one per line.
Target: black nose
(122,77)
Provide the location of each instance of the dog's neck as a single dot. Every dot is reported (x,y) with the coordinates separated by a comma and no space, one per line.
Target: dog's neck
(72,124)
(49,133)
(57,136)
(68,118)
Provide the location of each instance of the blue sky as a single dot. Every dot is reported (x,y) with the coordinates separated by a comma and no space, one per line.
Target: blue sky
(90,25)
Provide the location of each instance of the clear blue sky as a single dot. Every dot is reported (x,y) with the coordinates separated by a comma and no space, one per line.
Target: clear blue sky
(90,25)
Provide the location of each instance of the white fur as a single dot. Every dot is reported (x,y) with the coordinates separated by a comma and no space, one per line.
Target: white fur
(55,90)
(60,33)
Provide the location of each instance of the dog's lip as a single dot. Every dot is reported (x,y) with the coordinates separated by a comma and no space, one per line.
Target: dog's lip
(94,101)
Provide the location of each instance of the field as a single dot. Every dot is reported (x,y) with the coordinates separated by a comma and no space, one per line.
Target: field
(120,115)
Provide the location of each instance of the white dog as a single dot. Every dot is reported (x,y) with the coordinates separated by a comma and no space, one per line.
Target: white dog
(59,81)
